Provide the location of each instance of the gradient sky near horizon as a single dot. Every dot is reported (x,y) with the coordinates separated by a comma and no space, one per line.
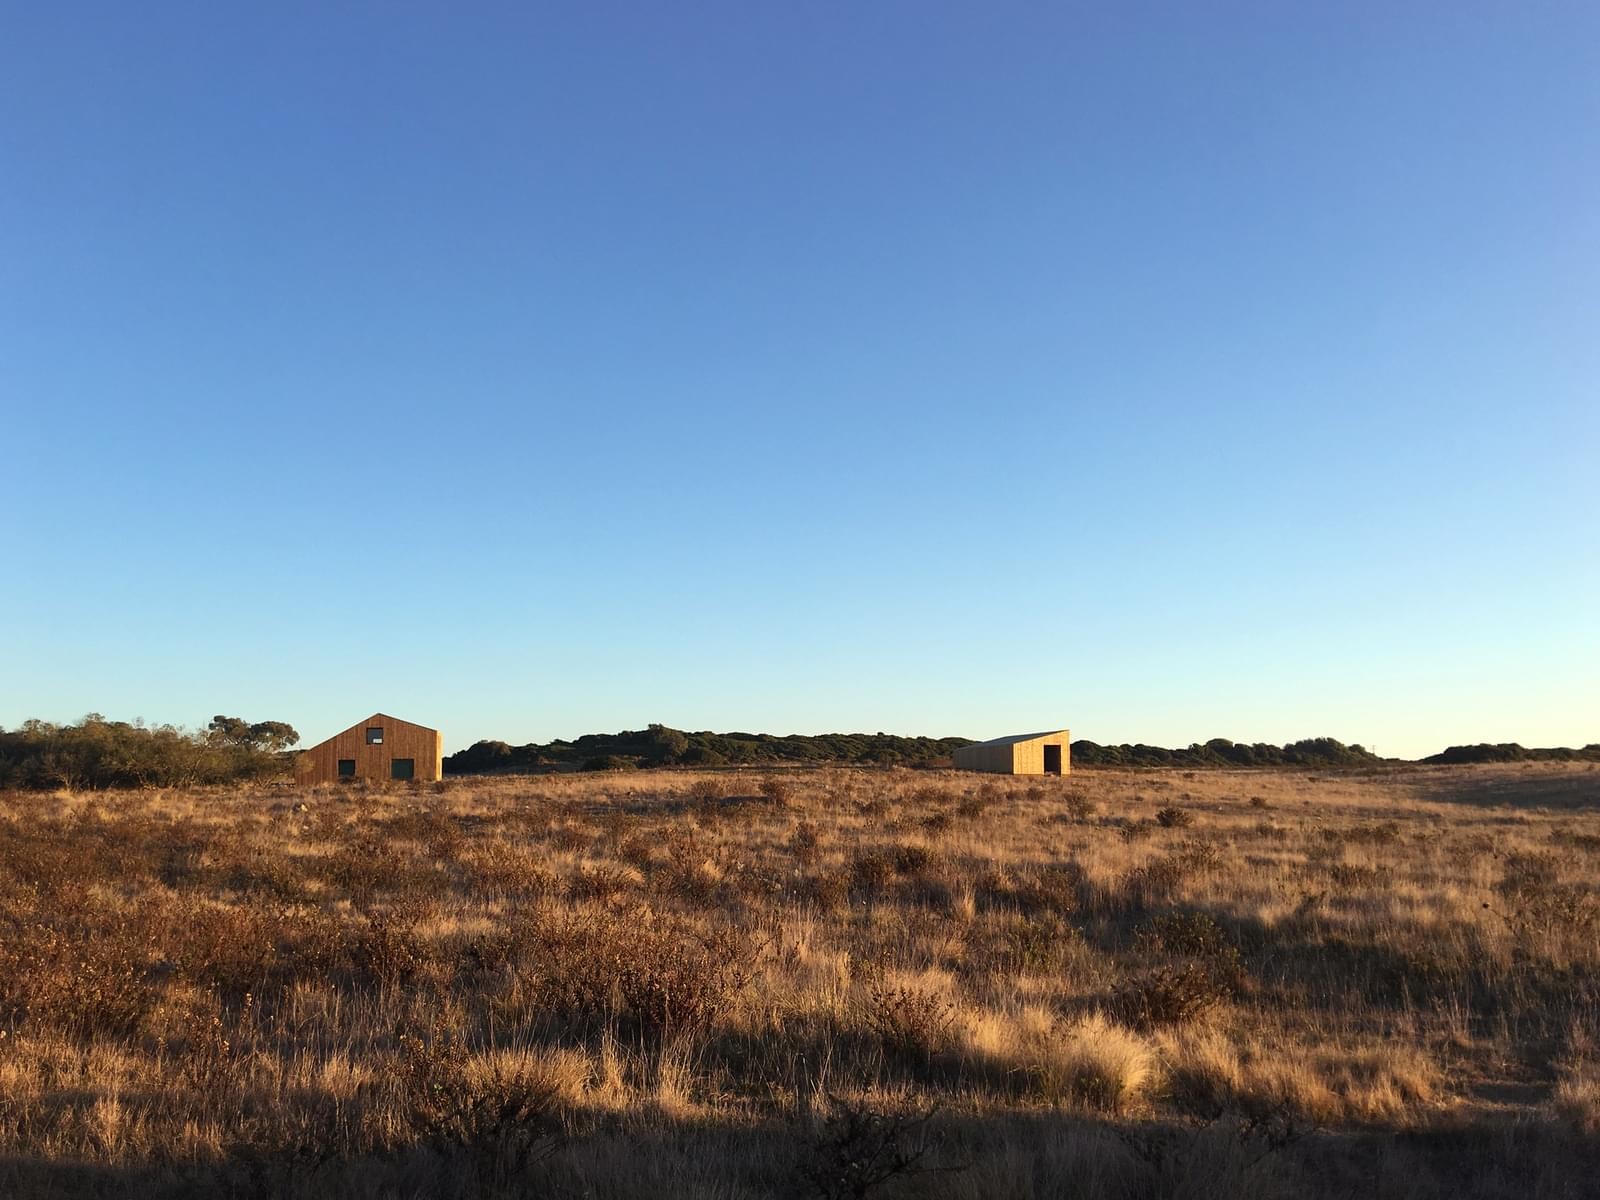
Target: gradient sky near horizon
(1167,371)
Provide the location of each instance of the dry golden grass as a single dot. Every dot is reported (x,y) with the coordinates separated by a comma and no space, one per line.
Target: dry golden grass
(829,983)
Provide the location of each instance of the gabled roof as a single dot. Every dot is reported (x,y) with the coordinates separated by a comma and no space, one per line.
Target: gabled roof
(396,720)
(374,719)
(1015,738)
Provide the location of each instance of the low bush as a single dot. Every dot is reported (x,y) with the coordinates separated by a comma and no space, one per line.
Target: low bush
(1078,806)
(777,791)
(1168,996)
(871,870)
(707,791)
(1092,1062)
(1194,937)
(507,1106)
(911,859)
(804,842)
(1030,945)
(1134,831)
(663,975)
(858,1149)
(909,1022)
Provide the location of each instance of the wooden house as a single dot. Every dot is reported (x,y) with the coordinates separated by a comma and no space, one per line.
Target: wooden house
(1022,754)
(381,747)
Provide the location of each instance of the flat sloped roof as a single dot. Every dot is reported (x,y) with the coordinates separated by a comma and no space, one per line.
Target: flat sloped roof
(1021,737)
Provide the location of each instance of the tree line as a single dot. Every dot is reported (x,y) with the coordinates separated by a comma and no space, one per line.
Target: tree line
(1497,752)
(99,753)
(660,746)
(1319,752)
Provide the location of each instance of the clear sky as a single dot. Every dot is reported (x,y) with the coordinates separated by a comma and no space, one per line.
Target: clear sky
(1167,371)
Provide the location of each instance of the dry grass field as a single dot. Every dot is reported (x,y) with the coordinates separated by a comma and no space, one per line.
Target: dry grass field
(828,984)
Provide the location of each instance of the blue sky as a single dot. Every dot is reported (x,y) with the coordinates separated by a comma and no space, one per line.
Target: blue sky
(1169,371)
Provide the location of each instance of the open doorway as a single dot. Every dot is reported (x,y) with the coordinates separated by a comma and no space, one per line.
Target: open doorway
(1052,760)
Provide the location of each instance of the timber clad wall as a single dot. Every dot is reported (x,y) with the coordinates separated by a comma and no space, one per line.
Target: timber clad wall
(986,756)
(401,740)
(1020,755)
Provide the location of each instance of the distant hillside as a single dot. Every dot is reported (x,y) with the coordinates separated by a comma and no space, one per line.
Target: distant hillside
(1486,752)
(659,746)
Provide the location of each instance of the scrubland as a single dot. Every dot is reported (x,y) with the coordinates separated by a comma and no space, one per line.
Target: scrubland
(823,983)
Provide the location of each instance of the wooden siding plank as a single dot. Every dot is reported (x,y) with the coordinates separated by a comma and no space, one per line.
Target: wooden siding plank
(401,739)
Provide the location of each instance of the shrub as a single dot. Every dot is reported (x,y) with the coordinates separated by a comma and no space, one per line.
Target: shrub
(1095,1063)
(910,859)
(828,890)
(1167,996)
(687,877)
(431,827)
(857,1149)
(87,977)
(777,791)
(707,790)
(1133,831)
(364,866)
(388,950)
(1197,855)
(569,837)
(874,809)
(506,1104)
(1379,834)
(598,882)
(1536,902)
(1576,1096)
(1155,882)
(1349,877)
(97,753)
(803,842)
(754,880)
(513,871)
(1193,936)
(871,870)
(1032,945)
(666,976)
(638,850)
(1173,817)
(202,1052)
(909,1022)
(1079,807)
(233,948)
(974,806)
(610,762)
(1052,889)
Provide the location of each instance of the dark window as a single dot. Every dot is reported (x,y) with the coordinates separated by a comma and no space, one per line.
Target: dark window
(402,768)
(375,735)
(347,767)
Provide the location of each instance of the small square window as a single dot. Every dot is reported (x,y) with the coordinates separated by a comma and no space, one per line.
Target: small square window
(347,768)
(403,768)
(375,735)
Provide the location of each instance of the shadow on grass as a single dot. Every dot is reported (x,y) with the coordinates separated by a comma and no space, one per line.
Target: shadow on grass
(1025,1156)
(1565,787)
